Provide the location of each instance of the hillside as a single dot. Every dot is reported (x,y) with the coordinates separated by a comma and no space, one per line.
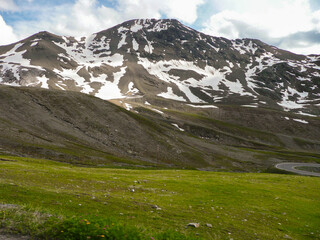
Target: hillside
(81,129)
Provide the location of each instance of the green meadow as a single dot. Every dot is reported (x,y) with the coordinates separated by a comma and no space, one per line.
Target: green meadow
(50,200)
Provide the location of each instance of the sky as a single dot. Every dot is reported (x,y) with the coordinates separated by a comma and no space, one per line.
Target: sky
(293,25)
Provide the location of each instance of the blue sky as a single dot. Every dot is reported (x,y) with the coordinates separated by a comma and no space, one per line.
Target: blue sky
(289,24)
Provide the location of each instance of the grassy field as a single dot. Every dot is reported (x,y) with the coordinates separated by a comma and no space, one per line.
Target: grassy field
(47,199)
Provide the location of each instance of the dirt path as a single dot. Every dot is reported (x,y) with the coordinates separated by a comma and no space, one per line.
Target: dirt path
(291,167)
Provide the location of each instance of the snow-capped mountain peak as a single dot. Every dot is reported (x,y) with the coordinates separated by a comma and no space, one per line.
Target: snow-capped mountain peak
(165,59)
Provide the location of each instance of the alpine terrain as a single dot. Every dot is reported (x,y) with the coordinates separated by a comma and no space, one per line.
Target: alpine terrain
(194,100)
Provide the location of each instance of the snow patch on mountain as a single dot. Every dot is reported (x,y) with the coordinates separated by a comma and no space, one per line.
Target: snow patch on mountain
(44,81)
(177,126)
(135,45)
(202,106)
(170,95)
(300,120)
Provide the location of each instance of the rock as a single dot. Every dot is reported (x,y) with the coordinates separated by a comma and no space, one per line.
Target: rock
(287,237)
(132,190)
(209,225)
(195,225)
(156,207)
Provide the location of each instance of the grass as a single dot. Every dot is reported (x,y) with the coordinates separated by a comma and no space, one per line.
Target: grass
(228,126)
(54,199)
(285,155)
(309,169)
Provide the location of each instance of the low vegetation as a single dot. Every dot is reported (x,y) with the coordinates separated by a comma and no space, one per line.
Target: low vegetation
(51,200)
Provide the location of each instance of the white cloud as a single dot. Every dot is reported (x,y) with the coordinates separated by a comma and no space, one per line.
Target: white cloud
(8,5)
(272,21)
(7,35)
(268,20)
(85,17)
(181,9)
(307,49)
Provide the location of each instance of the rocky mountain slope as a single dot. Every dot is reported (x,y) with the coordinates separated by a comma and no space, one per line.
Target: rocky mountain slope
(78,128)
(194,101)
(154,59)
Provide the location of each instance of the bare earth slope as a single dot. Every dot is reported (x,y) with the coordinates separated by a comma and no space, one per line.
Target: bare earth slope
(78,128)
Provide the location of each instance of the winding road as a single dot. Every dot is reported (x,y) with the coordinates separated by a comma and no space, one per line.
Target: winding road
(291,167)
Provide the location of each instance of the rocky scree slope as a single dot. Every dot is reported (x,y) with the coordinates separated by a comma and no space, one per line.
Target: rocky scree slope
(154,59)
(81,129)
(78,128)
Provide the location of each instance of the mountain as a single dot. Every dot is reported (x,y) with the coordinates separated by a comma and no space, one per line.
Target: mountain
(81,129)
(156,59)
(194,101)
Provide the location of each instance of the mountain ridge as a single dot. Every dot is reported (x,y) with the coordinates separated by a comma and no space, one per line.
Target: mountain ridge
(152,58)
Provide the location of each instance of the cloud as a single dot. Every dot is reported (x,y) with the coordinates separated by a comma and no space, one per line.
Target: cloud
(8,5)
(84,17)
(280,23)
(302,42)
(7,35)
(185,11)
(267,20)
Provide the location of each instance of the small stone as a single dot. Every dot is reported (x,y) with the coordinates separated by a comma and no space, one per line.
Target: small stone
(287,237)
(195,225)
(156,207)
(132,190)
(209,225)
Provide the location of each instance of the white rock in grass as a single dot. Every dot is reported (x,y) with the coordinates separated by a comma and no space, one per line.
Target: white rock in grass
(195,225)
(156,207)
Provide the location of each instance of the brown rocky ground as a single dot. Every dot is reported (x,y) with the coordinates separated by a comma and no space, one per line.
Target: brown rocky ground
(81,129)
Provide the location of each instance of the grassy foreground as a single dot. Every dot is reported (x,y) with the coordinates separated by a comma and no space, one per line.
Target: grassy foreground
(46,199)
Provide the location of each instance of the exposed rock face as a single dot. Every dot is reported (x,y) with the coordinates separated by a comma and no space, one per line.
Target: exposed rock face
(165,59)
